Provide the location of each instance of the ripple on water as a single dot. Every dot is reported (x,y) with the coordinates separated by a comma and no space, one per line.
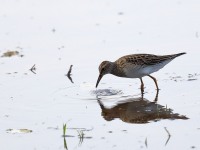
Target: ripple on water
(87,91)
(106,92)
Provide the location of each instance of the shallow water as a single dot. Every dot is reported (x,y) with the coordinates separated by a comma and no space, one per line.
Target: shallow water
(114,116)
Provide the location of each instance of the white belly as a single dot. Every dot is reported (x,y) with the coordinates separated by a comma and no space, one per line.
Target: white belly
(133,71)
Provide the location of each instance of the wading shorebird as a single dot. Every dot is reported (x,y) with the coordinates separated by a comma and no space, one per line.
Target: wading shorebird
(136,66)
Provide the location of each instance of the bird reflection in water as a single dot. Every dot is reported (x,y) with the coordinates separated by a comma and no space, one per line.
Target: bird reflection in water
(138,110)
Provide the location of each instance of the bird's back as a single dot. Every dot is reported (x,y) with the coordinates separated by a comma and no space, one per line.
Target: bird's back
(146,59)
(138,65)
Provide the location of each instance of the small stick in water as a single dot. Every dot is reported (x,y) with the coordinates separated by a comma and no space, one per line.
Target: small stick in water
(33,69)
(169,135)
(69,74)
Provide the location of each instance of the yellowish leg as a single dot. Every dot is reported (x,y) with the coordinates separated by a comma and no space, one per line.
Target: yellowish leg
(156,98)
(155,81)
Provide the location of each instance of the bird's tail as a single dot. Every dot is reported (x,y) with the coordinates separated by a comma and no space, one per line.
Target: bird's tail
(179,54)
(174,55)
(168,57)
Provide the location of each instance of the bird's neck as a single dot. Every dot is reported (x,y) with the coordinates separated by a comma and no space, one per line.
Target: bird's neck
(115,70)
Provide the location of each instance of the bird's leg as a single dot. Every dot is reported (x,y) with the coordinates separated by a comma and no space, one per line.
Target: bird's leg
(154,79)
(142,87)
(156,98)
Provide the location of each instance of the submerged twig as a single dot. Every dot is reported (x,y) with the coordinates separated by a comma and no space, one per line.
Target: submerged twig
(169,135)
(167,131)
(33,69)
(65,144)
(81,136)
(69,74)
(64,135)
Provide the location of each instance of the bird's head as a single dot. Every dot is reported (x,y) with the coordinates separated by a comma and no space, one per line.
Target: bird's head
(104,68)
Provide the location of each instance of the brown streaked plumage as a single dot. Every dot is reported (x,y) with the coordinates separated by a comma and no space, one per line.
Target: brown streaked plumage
(135,66)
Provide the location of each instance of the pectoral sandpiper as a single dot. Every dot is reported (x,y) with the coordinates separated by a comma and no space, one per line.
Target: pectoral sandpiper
(135,66)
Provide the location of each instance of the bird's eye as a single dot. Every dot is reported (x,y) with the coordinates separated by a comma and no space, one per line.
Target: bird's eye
(103,69)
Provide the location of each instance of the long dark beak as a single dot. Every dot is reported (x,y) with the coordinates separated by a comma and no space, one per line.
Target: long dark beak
(98,80)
